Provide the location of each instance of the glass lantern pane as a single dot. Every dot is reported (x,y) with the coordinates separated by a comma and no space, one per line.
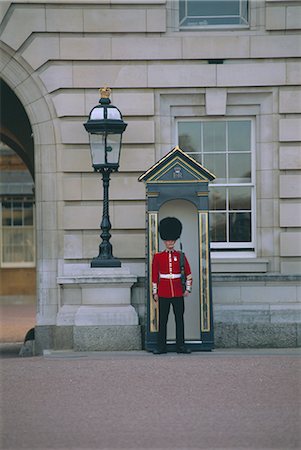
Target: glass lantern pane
(113,113)
(113,148)
(97,113)
(97,145)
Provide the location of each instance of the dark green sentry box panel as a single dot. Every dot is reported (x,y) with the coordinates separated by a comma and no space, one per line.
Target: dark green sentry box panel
(177,185)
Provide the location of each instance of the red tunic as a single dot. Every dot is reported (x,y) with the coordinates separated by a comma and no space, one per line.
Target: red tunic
(166,274)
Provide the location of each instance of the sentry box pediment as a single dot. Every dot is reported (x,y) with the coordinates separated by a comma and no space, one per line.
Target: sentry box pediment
(177,175)
(177,185)
(177,167)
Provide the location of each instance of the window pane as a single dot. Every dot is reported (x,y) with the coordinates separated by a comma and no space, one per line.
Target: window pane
(6,213)
(213,12)
(218,227)
(240,227)
(214,136)
(190,136)
(239,135)
(28,213)
(216,163)
(240,168)
(217,198)
(212,7)
(28,245)
(17,214)
(240,198)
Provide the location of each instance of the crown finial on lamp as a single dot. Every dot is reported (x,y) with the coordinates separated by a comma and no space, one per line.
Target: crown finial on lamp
(105,92)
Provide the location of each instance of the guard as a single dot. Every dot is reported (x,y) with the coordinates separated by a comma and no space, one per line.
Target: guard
(171,282)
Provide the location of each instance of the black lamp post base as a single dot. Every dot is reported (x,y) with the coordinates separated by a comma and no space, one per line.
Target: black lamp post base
(100,262)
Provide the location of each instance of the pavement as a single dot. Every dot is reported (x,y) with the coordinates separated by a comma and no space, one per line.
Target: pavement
(224,399)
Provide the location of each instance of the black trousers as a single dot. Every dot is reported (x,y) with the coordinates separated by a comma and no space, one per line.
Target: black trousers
(178,309)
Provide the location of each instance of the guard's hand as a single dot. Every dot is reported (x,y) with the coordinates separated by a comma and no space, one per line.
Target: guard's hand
(186,293)
(156,297)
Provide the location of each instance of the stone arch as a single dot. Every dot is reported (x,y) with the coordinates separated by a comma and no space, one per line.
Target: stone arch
(31,94)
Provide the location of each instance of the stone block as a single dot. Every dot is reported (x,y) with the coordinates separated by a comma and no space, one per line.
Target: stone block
(293,17)
(38,111)
(181,75)
(290,101)
(290,186)
(112,294)
(290,157)
(137,158)
(253,74)
(139,132)
(63,338)
(104,315)
(125,245)
(242,313)
(146,48)
(134,103)
(69,104)
(290,130)
(24,20)
(73,245)
(107,338)
(290,215)
(44,133)
(44,338)
(290,267)
(77,217)
(290,244)
(156,20)
(226,294)
(275,46)
(293,70)
(72,187)
(216,101)
(267,335)
(268,294)
(76,160)
(119,20)
(286,313)
(73,132)
(275,17)
(57,76)
(60,18)
(225,335)
(40,50)
(85,48)
(128,215)
(298,334)
(122,187)
(121,75)
(215,47)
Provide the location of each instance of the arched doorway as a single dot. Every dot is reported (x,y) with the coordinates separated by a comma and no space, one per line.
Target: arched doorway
(17,224)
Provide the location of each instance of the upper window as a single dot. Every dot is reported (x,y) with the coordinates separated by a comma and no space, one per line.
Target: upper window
(212,13)
(17,232)
(225,148)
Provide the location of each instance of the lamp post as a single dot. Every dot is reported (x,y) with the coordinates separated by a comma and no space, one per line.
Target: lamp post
(105,127)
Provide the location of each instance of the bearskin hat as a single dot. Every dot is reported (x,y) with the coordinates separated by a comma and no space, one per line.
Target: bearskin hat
(170,229)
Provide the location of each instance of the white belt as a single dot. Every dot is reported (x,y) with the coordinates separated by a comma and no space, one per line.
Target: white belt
(170,276)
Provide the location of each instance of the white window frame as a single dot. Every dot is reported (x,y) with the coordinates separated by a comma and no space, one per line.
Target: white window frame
(233,249)
(214,26)
(19,264)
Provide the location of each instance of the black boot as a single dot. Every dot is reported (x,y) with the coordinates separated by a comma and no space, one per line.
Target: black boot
(183,349)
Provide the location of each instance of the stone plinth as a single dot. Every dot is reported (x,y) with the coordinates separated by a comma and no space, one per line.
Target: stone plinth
(96,303)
